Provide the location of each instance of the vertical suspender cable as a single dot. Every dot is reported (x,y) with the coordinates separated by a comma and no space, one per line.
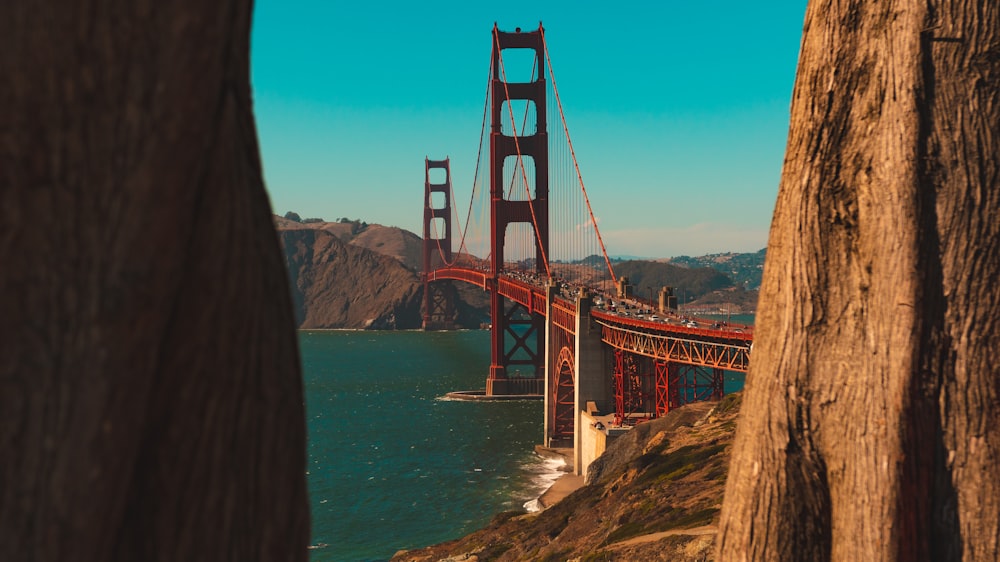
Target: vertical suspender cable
(517,146)
(576,166)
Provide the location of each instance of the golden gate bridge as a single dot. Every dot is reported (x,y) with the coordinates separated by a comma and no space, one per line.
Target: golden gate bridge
(563,325)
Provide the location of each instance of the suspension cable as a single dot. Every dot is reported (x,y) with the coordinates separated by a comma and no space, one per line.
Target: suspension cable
(472,199)
(576,166)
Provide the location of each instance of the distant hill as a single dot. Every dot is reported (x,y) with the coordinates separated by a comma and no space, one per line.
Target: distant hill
(337,285)
(355,275)
(391,241)
(743,269)
(688,284)
(352,274)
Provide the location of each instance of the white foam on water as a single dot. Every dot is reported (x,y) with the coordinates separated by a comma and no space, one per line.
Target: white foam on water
(543,475)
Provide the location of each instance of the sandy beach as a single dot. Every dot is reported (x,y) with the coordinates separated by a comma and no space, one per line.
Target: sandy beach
(562,487)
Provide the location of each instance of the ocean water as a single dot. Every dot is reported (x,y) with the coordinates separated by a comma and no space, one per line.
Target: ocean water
(391,464)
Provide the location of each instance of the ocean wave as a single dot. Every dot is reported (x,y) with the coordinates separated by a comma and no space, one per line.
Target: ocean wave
(542,474)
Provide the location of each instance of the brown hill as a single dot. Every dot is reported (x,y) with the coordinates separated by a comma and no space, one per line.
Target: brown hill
(655,494)
(337,285)
(354,275)
(391,241)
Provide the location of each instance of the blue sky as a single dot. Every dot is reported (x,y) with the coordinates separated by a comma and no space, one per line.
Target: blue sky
(678,111)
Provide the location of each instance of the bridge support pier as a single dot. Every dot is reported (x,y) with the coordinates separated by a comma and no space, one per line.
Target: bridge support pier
(518,340)
(439,306)
(560,376)
(591,379)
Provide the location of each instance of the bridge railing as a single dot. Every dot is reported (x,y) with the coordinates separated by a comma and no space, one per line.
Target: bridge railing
(472,276)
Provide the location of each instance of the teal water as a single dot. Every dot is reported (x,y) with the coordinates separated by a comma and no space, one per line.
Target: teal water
(392,465)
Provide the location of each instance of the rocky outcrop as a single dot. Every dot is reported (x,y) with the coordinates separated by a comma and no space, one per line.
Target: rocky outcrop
(338,285)
(655,494)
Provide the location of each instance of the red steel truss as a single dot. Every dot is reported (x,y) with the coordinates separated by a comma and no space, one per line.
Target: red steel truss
(523,330)
(691,383)
(666,346)
(641,394)
(667,396)
(563,390)
(634,388)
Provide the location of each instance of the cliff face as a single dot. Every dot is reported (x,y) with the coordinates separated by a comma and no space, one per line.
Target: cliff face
(359,276)
(339,285)
(654,494)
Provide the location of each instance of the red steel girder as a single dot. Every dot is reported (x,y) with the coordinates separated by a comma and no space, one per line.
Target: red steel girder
(723,355)
(692,383)
(618,374)
(667,397)
(634,388)
(563,396)
(477,278)
(526,332)
(439,306)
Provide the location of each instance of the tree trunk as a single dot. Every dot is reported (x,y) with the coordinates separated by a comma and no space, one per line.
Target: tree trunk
(150,396)
(869,425)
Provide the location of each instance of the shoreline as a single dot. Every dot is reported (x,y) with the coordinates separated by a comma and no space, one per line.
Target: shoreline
(565,484)
(562,487)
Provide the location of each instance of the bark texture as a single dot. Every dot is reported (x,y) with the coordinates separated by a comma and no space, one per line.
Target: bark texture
(868,430)
(150,394)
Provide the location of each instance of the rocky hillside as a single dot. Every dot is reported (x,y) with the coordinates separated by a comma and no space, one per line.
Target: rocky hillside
(338,285)
(402,245)
(655,494)
(350,274)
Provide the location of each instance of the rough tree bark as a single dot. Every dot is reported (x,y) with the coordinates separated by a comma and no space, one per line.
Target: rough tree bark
(150,395)
(869,428)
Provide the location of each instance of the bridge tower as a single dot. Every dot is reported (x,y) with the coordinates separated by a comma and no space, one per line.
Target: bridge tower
(439,296)
(517,336)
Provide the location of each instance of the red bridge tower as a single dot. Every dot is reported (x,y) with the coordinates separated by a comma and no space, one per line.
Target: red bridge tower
(518,368)
(439,297)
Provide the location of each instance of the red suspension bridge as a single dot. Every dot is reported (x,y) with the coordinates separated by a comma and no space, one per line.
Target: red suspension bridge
(563,325)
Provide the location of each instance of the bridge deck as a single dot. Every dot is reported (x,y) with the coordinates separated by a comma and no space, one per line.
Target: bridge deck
(670,337)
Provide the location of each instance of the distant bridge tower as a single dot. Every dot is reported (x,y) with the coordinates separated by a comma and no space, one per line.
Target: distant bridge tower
(517,368)
(439,296)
